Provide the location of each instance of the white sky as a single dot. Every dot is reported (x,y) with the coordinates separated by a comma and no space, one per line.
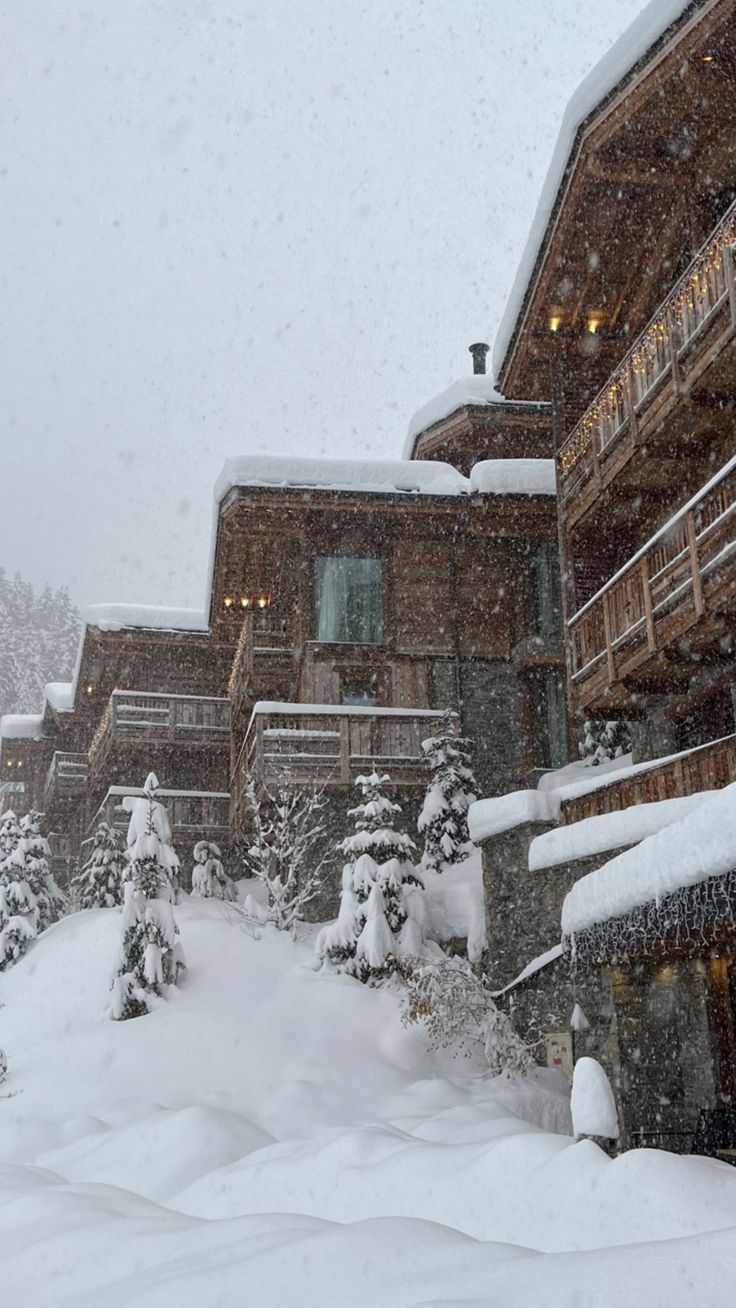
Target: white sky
(231,226)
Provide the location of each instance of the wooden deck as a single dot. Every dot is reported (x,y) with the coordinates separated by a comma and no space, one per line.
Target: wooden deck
(708,767)
(137,717)
(674,588)
(689,330)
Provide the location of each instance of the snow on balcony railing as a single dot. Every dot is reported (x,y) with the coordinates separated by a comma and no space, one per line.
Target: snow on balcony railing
(67,773)
(138,714)
(659,352)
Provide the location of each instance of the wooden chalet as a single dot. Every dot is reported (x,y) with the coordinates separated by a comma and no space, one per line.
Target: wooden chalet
(349,604)
(623,318)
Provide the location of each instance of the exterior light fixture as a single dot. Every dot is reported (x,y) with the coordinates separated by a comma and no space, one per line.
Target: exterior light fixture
(228,601)
(707,58)
(554,322)
(593,325)
(90,688)
(263,601)
(245,602)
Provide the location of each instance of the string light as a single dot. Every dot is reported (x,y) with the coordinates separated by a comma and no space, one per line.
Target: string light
(692,298)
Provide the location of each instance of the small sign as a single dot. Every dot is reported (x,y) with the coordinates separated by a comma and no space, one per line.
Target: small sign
(559,1050)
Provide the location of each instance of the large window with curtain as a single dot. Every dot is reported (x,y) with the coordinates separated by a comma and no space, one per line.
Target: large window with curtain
(349,600)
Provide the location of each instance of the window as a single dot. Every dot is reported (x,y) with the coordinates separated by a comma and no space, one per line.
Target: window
(547,592)
(349,601)
(553,720)
(360,694)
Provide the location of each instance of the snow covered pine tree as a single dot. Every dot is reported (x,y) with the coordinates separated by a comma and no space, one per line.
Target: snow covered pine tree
(150,956)
(604,740)
(381,913)
(30,899)
(443,820)
(285,854)
(209,878)
(99,882)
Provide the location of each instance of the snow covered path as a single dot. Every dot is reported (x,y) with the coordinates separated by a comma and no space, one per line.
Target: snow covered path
(272,1136)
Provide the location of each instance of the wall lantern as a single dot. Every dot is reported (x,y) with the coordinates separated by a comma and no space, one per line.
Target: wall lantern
(707,58)
(593,325)
(554,322)
(90,688)
(228,601)
(245,602)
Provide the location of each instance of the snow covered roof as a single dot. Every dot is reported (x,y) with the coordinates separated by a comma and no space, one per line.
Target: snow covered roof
(699,845)
(478,389)
(60,695)
(623,55)
(536,965)
(606,831)
(113,617)
(21,726)
(371,476)
(489,817)
(514,477)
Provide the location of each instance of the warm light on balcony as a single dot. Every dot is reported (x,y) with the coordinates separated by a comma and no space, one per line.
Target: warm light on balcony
(228,601)
(554,322)
(90,688)
(245,602)
(593,325)
(263,601)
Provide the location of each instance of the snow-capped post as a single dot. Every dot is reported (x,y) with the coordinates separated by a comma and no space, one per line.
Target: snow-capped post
(593,1106)
(603,741)
(99,882)
(151,957)
(30,900)
(443,820)
(381,913)
(287,851)
(209,878)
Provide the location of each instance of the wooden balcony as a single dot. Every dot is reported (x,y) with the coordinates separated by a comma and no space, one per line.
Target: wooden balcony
(688,331)
(330,745)
(137,717)
(708,767)
(193,814)
(66,777)
(677,586)
(264,660)
(12,796)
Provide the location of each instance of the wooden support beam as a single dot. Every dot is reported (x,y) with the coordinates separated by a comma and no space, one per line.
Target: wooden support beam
(730,281)
(344,751)
(648,611)
(610,661)
(692,541)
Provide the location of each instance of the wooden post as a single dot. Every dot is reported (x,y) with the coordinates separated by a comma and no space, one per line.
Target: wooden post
(692,541)
(259,769)
(730,282)
(648,611)
(345,750)
(609,641)
(674,359)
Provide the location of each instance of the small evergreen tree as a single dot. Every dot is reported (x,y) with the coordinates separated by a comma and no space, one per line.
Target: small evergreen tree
(381,913)
(30,899)
(443,820)
(99,882)
(209,878)
(604,740)
(151,957)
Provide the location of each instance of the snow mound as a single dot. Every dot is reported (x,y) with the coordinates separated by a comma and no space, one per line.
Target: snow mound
(604,831)
(592,1104)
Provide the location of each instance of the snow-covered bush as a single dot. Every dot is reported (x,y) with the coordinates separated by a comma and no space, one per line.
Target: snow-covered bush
(443,820)
(151,957)
(287,850)
(99,881)
(592,1104)
(603,741)
(381,913)
(457,1010)
(209,878)
(30,899)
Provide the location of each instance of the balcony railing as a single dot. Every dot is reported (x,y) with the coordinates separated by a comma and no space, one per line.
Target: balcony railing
(190,812)
(138,716)
(265,648)
(67,776)
(330,745)
(707,767)
(668,349)
(681,573)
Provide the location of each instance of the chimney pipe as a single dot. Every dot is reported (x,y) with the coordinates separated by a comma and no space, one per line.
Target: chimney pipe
(479,352)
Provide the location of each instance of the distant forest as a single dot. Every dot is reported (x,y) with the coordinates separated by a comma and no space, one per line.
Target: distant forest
(39,635)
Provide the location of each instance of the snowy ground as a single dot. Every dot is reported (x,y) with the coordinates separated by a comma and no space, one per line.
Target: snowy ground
(271,1136)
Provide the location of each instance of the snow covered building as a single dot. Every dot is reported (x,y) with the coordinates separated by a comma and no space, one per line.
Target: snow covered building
(623,318)
(348,603)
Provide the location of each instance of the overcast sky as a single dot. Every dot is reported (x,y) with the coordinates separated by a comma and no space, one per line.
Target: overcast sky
(235,226)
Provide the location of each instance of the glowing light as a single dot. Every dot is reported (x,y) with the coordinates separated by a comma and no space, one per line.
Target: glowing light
(554,323)
(90,688)
(245,602)
(593,325)
(262,601)
(708,58)
(228,601)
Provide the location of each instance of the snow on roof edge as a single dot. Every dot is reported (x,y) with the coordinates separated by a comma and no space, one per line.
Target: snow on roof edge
(21,726)
(618,62)
(150,617)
